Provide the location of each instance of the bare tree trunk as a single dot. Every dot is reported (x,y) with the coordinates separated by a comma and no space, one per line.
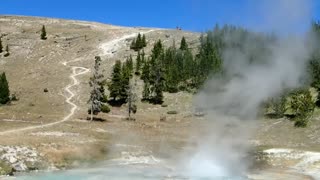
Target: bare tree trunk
(129,111)
(91,112)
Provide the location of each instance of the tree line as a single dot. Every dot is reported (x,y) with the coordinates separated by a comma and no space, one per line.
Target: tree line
(173,69)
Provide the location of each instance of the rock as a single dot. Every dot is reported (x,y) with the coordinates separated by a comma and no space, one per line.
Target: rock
(163,118)
(20,166)
(12,159)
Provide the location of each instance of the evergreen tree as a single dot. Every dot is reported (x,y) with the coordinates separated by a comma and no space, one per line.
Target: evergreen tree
(138,64)
(145,76)
(190,66)
(144,41)
(116,82)
(158,90)
(43,35)
(133,44)
(95,95)
(183,44)
(143,59)
(1,47)
(4,89)
(171,70)
(146,92)
(139,43)
(156,78)
(130,64)
(120,82)
(125,82)
(157,50)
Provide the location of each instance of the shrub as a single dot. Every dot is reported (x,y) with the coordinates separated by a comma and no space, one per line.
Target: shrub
(301,123)
(105,109)
(303,106)
(7,51)
(134,108)
(172,112)
(276,107)
(182,87)
(14,97)
(163,118)
(104,99)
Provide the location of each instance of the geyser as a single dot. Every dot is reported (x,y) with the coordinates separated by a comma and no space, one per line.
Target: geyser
(232,100)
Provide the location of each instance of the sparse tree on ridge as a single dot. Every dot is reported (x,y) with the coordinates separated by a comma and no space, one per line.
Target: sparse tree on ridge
(43,35)
(133,44)
(183,45)
(1,47)
(144,41)
(138,43)
(4,89)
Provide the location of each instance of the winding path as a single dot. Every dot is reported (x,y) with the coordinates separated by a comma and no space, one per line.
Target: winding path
(111,46)
(107,50)
(75,82)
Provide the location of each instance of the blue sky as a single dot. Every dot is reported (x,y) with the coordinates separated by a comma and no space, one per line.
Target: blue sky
(194,15)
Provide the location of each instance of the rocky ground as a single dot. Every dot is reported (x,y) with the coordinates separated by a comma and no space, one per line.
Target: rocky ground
(41,131)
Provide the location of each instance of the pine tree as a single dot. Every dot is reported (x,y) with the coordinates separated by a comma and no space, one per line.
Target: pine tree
(115,85)
(1,47)
(4,89)
(130,64)
(145,76)
(183,44)
(143,60)
(158,90)
(95,95)
(144,41)
(139,43)
(189,70)
(156,78)
(125,81)
(146,92)
(138,64)
(157,50)
(43,35)
(133,44)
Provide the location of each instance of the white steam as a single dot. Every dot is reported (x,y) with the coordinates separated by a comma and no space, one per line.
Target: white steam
(232,103)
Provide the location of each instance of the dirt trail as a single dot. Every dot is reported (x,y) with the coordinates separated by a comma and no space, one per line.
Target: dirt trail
(75,82)
(111,46)
(107,50)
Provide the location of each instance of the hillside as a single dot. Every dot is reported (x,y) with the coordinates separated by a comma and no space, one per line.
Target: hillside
(49,129)
(41,119)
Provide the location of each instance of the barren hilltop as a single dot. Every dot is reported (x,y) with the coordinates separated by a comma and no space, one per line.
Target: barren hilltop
(47,127)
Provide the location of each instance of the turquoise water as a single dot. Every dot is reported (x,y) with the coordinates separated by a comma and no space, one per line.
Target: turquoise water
(118,173)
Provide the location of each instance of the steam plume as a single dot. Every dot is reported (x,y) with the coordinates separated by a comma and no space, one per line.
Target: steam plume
(232,102)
